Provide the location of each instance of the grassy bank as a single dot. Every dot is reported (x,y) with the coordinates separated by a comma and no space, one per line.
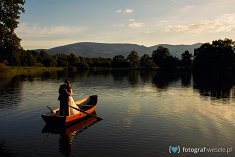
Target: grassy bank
(9,71)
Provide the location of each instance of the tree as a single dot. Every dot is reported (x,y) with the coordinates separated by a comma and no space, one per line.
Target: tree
(216,56)
(133,58)
(82,66)
(146,61)
(72,59)
(47,60)
(119,61)
(62,60)
(159,56)
(28,58)
(99,62)
(171,62)
(186,59)
(162,58)
(10,48)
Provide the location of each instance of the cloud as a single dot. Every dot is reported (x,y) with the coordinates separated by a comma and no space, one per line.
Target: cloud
(224,23)
(135,25)
(132,23)
(125,11)
(37,36)
(35,30)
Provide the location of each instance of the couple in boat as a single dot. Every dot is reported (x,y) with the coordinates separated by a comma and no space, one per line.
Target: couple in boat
(67,103)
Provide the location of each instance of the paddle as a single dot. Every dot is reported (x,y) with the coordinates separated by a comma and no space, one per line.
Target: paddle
(85,112)
(50,109)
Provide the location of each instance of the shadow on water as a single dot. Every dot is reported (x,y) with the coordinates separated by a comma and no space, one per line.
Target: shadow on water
(10,92)
(11,87)
(146,75)
(67,135)
(119,76)
(217,85)
(133,78)
(186,77)
(5,150)
(162,79)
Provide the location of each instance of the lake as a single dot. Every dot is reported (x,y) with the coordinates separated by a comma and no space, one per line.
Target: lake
(144,114)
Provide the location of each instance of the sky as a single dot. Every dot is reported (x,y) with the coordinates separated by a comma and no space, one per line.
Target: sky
(50,23)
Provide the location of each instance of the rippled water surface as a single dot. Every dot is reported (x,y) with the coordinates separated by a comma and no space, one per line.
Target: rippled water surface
(144,113)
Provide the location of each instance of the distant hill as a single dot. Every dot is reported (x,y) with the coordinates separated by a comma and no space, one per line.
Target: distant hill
(89,49)
(177,50)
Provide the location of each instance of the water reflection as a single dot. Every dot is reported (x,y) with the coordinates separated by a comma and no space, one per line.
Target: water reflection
(139,117)
(10,92)
(121,75)
(133,78)
(68,135)
(162,79)
(215,85)
(5,150)
(186,77)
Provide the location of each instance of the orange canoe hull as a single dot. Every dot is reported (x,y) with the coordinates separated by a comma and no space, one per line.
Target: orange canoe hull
(87,104)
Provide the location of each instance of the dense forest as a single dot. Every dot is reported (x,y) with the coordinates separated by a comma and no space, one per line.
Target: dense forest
(218,55)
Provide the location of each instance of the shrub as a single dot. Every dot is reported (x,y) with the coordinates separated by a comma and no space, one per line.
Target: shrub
(3,67)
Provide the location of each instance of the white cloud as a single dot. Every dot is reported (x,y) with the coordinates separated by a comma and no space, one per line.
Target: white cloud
(132,23)
(128,11)
(125,11)
(135,25)
(35,30)
(45,43)
(37,36)
(224,23)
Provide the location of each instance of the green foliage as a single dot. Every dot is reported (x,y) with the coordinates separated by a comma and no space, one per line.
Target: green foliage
(3,68)
(186,59)
(62,60)
(28,58)
(73,60)
(119,61)
(10,48)
(146,61)
(171,62)
(46,59)
(162,58)
(216,56)
(159,56)
(99,62)
(82,66)
(134,59)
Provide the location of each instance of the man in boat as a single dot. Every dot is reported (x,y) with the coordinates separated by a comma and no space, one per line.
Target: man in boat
(63,98)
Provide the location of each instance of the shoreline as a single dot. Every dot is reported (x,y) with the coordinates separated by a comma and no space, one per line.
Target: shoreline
(10,71)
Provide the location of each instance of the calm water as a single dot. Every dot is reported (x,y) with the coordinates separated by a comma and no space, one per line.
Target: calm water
(144,113)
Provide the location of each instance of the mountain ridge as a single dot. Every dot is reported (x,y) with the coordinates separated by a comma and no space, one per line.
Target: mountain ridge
(93,49)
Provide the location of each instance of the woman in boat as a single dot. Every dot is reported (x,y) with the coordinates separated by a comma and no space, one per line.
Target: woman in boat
(71,102)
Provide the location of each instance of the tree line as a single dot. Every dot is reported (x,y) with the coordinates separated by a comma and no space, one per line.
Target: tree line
(218,55)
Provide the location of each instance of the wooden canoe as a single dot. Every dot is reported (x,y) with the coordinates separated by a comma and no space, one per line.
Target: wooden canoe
(77,127)
(87,104)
